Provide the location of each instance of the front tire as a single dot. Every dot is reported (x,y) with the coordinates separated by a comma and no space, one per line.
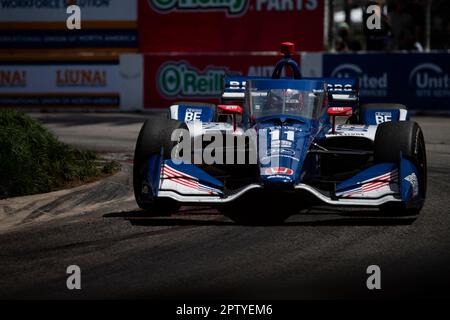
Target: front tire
(155,135)
(405,137)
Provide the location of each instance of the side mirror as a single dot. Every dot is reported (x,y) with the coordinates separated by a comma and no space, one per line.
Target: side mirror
(340,111)
(231,109)
(334,112)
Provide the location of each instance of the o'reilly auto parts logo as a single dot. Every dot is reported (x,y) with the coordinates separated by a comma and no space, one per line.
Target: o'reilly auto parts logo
(180,79)
(430,80)
(231,7)
(370,85)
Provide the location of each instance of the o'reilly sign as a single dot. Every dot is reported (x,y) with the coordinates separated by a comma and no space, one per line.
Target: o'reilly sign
(231,7)
(180,79)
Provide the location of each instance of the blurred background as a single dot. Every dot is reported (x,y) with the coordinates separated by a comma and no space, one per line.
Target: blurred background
(143,55)
(412,25)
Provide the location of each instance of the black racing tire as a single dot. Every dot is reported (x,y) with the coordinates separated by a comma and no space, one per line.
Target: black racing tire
(406,137)
(155,133)
(377,106)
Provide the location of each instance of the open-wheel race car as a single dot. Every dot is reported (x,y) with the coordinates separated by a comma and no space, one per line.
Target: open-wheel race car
(372,156)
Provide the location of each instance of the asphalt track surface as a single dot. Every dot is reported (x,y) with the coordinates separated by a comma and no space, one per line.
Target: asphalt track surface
(125,253)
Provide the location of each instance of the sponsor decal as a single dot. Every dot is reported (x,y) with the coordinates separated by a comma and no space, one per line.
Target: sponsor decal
(339,87)
(381,117)
(352,128)
(180,79)
(192,115)
(13,78)
(430,80)
(80,78)
(279,170)
(412,179)
(370,85)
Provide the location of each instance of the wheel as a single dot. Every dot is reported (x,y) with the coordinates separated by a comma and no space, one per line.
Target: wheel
(155,133)
(377,106)
(406,137)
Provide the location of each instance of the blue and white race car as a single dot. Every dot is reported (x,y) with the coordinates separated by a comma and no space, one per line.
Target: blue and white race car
(297,156)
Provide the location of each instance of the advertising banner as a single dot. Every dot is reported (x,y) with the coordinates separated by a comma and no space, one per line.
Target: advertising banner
(420,81)
(60,84)
(229,25)
(39,24)
(198,77)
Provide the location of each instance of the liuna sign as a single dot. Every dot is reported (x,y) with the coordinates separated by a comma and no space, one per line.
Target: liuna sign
(229,25)
(66,84)
(75,83)
(421,80)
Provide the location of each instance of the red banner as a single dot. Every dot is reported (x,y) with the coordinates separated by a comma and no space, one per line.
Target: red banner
(198,77)
(229,25)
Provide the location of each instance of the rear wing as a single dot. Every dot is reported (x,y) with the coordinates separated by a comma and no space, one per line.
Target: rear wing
(341,91)
(234,87)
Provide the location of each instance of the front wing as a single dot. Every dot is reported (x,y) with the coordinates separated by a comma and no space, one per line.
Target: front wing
(373,187)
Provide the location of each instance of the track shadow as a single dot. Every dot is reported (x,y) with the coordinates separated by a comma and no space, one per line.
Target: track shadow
(166,222)
(78,119)
(142,218)
(357,222)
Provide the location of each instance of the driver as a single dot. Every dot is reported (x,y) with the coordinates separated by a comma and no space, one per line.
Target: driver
(284,101)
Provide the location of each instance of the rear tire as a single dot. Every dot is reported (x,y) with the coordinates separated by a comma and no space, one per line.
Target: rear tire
(406,137)
(155,134)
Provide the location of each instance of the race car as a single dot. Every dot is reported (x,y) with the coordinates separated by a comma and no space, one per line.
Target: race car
(303,142)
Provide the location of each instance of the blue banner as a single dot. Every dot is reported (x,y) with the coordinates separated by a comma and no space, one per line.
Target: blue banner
(421,81)
(64,39)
